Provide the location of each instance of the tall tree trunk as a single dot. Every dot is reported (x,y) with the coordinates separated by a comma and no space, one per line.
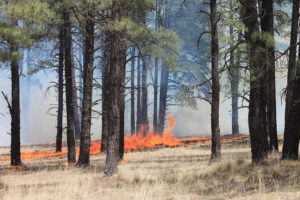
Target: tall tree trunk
(69,87)
(15,107)
(81,60)
(113,119)
(75,106)
(163,21)
(291,130)
(122,97)
(138,104)
(263,76)
(257,129)
(85,136)
(158,25)
(105,92)
(164,84)
(155,124)
(144,106)
(60,92)
(267,26)
(132,104)
(215,127)
(234,81)
(26,99)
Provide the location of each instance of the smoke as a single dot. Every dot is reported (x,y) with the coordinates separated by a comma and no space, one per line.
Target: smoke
(41,126)
(195,122)
(189,121)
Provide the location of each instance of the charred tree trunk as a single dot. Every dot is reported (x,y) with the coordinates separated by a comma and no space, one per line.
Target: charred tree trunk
(69,87)
(60,92)
(268,27)
(138,104)
(215,127)
(164,84)
(15,107)
(163,21)
(155,124)
(88,68)
(292,129)
(257,129)
(132,103)
(113,85)
(144,107)
(105,92)
(122,97)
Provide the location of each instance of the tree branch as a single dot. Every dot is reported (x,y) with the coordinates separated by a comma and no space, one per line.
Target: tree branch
(7,101)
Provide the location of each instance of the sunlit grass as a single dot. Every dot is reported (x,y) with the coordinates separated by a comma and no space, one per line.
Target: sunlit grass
(175,173)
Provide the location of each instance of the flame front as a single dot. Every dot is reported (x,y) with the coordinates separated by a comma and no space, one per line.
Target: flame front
(135,142)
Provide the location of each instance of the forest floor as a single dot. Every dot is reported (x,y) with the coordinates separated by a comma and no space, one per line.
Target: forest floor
(168,173)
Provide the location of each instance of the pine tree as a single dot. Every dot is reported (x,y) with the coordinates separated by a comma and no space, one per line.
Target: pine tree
(69,85)
(258,135)
(15,33)
(88,69)
(215,127)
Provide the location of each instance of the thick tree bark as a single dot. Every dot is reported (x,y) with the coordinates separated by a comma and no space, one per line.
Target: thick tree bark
(15,108)
(292,129)
(144,106)
(267,26)
(258,135)
(105,92)
(164,84)
(163,21)
(292,57)
(263,76)
(60,92)
(69,87)
(113,85)
(85,136)
(215,127)
(138,96)
(122,97)
(132,103)
(155,124)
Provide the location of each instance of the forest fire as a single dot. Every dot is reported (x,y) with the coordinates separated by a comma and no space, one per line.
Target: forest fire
(135,142)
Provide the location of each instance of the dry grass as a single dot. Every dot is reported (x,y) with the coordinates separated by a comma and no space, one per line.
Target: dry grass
(178,173)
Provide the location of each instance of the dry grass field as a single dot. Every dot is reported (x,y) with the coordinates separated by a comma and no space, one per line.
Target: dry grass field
(169,173)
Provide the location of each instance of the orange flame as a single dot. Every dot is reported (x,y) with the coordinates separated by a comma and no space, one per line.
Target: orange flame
(137,141)
(15,166)
(134,142)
